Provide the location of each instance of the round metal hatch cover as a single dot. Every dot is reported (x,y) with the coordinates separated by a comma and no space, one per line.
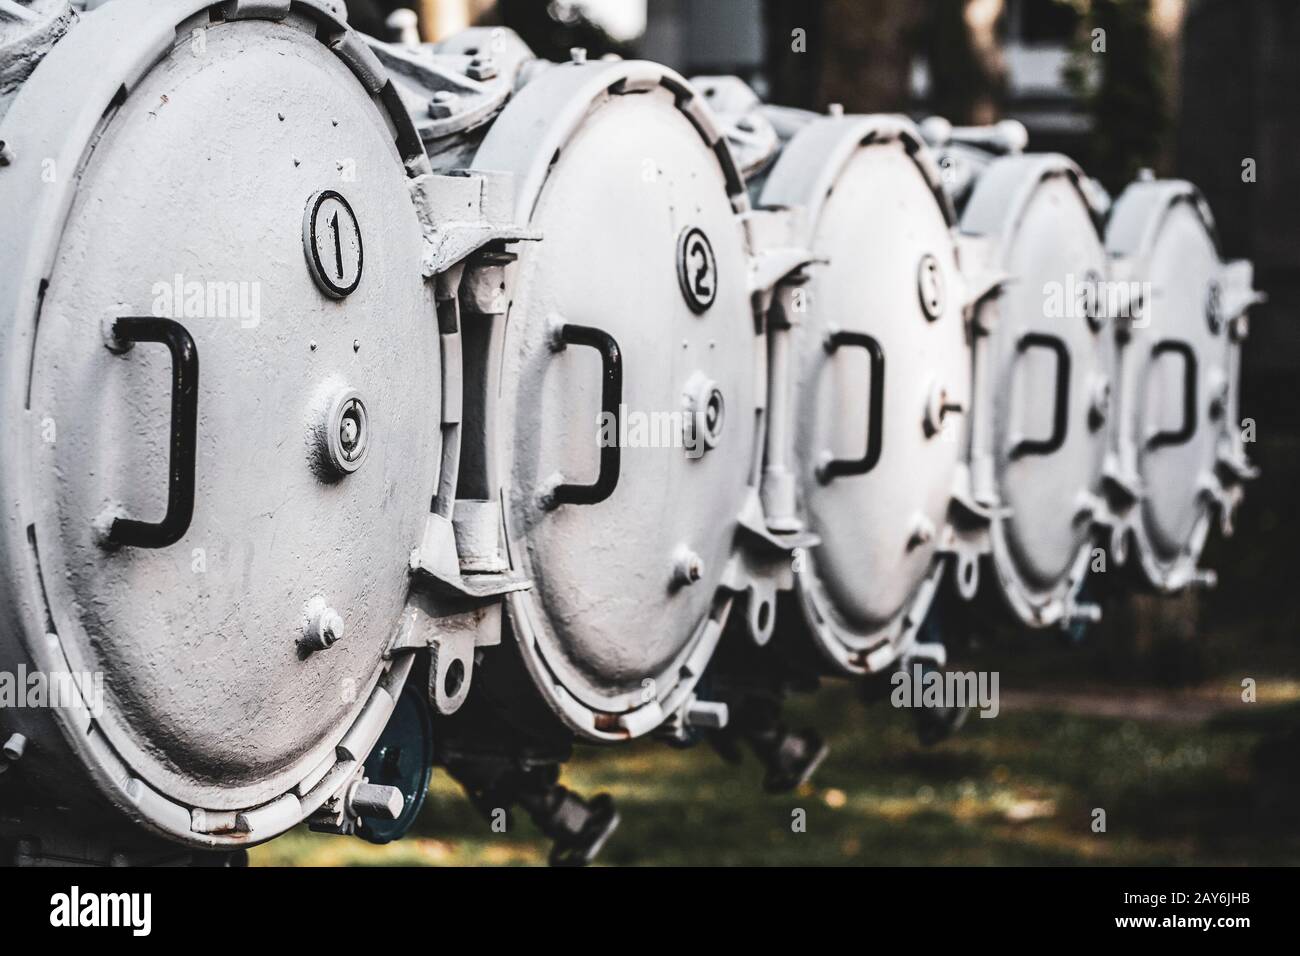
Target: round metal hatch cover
(611,616)
(1046,364)
(1176,369)
(212,695)
(891,271)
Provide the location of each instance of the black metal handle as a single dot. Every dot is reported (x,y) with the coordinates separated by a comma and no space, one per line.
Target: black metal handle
(1061,410)
(832,468)
(611,397)
(1185,431)
(184,426)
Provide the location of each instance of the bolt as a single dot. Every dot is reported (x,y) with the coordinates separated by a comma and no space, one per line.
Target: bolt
(835,109)
(356,345)
(6,153)
(376,800)
(929,284)
(1219,402)
(404,27)
(688,567)
(938,406)
(577,54)
(1099,408)
(481,68)
(706,714)
(324,628)
(922,532)
(443,104)
(15,746)
(348,433)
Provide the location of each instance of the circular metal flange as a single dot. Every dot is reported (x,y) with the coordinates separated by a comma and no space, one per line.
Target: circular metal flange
(171,741)
(342,434)
(877,211)
(706,411)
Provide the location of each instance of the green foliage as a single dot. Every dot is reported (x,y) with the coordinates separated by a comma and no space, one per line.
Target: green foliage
(1124,88)
(1017,789)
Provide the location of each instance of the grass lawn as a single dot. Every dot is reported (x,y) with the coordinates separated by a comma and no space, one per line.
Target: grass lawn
(1017,789)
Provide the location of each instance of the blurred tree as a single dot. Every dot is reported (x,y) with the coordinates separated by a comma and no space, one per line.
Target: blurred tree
(967,72)
(796,51)
(1120,70)
(867,56)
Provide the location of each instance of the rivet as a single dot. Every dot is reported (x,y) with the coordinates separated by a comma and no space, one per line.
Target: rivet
(688,567)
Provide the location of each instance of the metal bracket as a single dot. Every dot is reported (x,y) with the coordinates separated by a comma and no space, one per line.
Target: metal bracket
(437,563)
(462,212)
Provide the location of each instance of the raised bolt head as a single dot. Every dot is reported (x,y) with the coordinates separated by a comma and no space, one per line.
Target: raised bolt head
(331,627)
(929,286)
(577,54)
(481,68)
(443,104)
(688,567)
(377,801)
(324,626)
(348,432)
